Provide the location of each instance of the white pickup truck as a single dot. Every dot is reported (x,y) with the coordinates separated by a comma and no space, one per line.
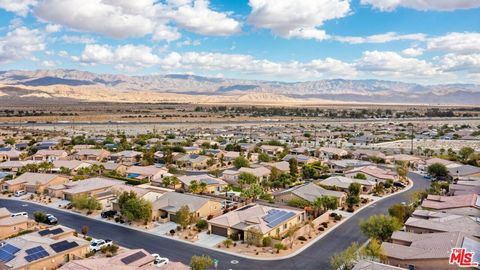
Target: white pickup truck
(97,244)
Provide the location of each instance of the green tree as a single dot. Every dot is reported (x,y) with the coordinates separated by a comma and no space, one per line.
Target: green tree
(274,174)
(380,226)
(437,170)
(245,178)
(195,187)
(360,176)
(465,153)
(240,162)
(134,208)
(254,237)
(293,166)
(263,157)
(298,202)
(201,262)
(86,202)
(309,172)
(398,211)
(252,192)
(373,250)
(353,195)
(184,216)
(346,258)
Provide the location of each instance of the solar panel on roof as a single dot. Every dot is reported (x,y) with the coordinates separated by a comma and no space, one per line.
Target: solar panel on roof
(44,232)
(10,249)
(63,245)
(273,218)
(7,252)
(56,231)
(133,257)
(36,253)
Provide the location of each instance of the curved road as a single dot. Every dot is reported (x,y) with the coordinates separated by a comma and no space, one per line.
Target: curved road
(314,257)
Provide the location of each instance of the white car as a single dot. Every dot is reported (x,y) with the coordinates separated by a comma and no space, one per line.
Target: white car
(25,214)
(160,261)
(19,193)
(97,244)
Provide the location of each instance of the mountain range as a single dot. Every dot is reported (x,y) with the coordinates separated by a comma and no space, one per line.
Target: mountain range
(75,85)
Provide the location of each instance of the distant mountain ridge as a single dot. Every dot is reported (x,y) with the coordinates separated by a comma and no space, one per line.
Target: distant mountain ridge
(371,91)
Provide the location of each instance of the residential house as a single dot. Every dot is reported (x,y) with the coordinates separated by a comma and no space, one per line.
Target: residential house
(309,192)
(150,173)
(213,185)
(231,176)
(46,249)
(464,172)
(10,154)
(98,187)
(92,154)
(464,187)
(367,154)
(282,166)
(342,165)
(364,264)
(301,159)
(10,226)
(272,150)
(49,155)
(269,221)
(373,173)
(427,251)
(443,222)
(111,166)
(342,183)
(72,165)
(331,153)
(166,207)
(193,161)
(14,166)
(468,205)
(34,182)
(127,156)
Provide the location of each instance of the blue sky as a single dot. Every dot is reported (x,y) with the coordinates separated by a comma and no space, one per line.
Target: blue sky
(424,41)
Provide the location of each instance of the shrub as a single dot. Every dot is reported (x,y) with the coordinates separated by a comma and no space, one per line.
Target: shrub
(88,238)
(172,232)
(209,217)
(201,224)
(321,229)
(339,217)
(40,216)
(324,224)
(333,215)
(234,237)
(302,238)
(267,241)
(350,210)
(227,242)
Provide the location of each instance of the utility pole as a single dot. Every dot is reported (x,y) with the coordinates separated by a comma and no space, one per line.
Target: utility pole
(411,140)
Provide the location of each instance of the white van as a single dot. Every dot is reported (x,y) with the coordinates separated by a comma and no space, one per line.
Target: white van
(20,214)
(19,193)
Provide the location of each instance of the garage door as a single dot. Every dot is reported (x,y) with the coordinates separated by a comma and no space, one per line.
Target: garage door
(219,231)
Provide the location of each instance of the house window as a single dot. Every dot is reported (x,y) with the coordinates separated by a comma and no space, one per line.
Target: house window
(411,267)
(285,226)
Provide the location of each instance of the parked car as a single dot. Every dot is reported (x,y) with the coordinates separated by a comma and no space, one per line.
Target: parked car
(19,193)
(160,261)
(426,176)
(108,214)
(20,214)
(51,219)
(97,244)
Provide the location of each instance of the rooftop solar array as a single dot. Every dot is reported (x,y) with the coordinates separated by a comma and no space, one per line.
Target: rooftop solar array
(134,257)
(275,217)
(7,252)
(35,254)
(47,231)
(63,245)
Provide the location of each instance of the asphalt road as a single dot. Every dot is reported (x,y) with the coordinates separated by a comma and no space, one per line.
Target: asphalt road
(314,257)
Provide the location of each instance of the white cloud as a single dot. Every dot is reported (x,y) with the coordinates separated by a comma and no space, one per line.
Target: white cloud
(393,65)
(380,38)
(96,16)
(19,7)
(296,18)
(442,5)
(415,51)
(126,57)
(48,63)
(464,63)
(463,43)
(53,28)
(78,39)
(188,42)
(165,32)
(62,53)
(197,17)
(20,43)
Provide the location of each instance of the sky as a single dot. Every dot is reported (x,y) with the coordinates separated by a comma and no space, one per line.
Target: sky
(421,41)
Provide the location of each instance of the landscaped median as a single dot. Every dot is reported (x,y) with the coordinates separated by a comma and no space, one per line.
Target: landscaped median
(296,243)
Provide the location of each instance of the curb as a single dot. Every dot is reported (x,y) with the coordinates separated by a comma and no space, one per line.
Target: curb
(298,251)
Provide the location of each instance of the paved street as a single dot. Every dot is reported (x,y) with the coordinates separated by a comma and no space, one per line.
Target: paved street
(314,257)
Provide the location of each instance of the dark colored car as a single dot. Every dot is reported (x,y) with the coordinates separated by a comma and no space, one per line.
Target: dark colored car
(108,214)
